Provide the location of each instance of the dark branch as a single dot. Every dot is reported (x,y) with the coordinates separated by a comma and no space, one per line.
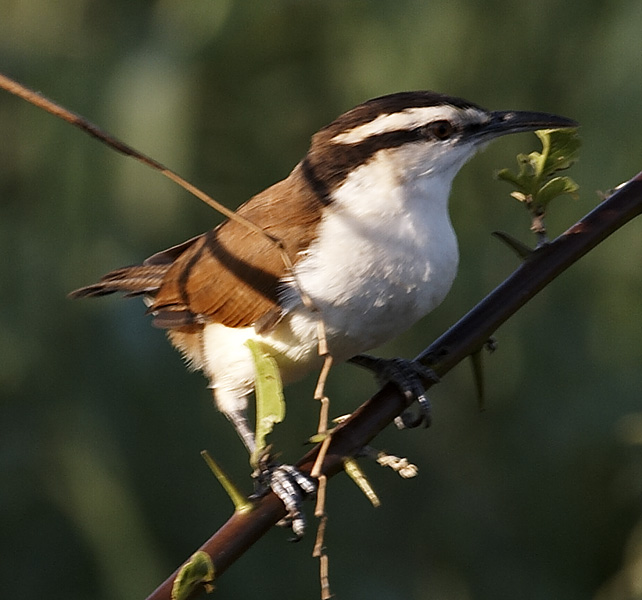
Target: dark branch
(467,336)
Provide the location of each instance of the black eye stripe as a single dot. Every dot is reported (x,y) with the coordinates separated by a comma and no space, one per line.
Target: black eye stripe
(439,130)
(332,164)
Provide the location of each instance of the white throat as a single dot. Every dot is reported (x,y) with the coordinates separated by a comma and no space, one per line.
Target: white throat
(385,256)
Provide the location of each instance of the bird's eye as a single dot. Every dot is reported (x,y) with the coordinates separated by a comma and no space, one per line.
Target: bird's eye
(440,130)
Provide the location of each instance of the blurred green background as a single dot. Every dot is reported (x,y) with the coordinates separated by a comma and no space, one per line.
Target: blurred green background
(102,489)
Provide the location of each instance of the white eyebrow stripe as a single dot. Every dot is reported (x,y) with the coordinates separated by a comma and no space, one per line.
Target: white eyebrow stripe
(406,120)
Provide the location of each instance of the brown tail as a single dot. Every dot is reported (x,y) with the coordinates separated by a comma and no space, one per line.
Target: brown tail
(132,281)
(136,280)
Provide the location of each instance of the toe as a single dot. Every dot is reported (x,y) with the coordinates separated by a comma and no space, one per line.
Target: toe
(291,486)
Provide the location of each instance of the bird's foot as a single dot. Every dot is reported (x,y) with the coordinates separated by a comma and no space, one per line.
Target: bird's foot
(408,376)
(290,485)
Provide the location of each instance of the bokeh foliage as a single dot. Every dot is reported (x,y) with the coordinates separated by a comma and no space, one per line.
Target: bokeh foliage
(102,489)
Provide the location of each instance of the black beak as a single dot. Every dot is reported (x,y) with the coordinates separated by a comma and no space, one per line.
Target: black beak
(513,121)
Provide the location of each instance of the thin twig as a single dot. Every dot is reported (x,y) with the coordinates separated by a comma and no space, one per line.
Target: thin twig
(320,553)
(319,508)
(114,143)
(325,577)
(319,394)
(319,541)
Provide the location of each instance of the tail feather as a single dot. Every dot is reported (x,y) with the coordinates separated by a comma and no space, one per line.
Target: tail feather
(132,281)
(136,280)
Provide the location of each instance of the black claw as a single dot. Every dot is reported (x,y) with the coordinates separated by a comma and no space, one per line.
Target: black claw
(410,420)
(408,376)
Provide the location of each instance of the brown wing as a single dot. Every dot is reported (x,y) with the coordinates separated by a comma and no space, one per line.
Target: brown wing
(231,275)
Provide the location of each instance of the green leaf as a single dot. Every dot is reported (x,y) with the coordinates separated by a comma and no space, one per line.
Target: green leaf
(270,402)
(560,148)
(197,571)
(535,180)
(525,180)
(556,187)
(507,175)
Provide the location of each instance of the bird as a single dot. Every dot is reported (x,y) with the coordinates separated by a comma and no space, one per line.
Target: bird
(364,220)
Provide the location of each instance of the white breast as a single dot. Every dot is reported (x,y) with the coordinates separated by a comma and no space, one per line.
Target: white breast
(386,255)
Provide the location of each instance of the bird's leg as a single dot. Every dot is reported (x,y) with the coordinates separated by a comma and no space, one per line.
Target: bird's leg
(238,418)
(287,482)
(408,376)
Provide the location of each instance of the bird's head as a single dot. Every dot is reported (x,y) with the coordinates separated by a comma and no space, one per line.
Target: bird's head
(417,133)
